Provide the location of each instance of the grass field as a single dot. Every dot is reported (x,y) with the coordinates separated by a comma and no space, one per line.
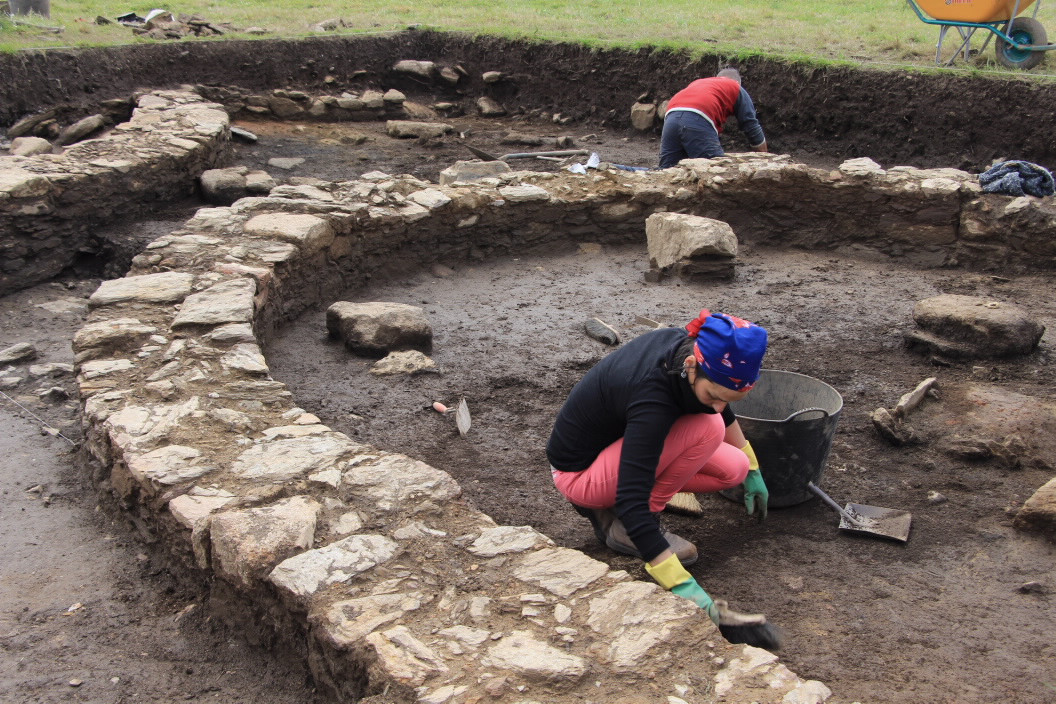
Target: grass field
(857,31)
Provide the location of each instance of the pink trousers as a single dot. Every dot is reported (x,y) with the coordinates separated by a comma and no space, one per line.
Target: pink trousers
(694,459)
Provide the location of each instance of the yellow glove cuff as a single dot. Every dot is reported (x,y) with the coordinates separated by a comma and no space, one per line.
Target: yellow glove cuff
(669,573)
(753,462)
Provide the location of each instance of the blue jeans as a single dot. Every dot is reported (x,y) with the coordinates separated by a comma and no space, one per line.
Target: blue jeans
(687,135)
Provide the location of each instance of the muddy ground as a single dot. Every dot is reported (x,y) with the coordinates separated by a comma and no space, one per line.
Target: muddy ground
(88,612)
(962,613)
(877,621)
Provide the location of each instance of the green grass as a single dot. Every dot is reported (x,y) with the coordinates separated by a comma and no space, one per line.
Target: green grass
(857,31)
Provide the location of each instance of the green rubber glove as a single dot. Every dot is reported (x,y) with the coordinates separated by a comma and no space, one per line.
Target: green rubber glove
(672,576)
(755,492)
(734,626)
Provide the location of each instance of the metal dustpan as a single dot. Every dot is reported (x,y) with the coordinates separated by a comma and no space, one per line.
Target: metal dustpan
(875,521)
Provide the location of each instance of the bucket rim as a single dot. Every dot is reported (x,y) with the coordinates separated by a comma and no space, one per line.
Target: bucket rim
(839,406)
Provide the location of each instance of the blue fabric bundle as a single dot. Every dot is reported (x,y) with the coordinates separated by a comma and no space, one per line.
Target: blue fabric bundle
(1017,178)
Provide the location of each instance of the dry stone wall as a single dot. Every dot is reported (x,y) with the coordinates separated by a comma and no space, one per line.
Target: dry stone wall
(367,560)
(49,203)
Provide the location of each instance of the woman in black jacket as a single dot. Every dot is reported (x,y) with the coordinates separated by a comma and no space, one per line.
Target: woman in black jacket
(650,420)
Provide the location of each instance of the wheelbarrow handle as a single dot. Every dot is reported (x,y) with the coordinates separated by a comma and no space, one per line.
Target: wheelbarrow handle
(800,412)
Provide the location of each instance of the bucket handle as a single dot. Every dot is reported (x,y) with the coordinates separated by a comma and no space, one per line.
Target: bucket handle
(800,412)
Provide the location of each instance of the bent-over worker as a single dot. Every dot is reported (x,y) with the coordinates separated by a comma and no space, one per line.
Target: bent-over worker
(697,114)
(652,419)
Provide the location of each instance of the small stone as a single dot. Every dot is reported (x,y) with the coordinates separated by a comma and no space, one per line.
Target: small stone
(55,394)
(489,107)
(76,682)
(21,352)
(935,497)
(29,146)
(285,163)
(244,135)
(440,271)
(1033,588)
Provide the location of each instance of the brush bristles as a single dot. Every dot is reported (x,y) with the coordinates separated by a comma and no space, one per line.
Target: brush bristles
(759,635)
(685,503)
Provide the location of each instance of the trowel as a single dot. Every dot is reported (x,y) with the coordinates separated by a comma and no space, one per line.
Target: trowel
(862,519)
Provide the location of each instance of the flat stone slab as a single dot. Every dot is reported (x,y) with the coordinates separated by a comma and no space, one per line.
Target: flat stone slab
(972,327)
(308,231)
(22,352)
(226,302)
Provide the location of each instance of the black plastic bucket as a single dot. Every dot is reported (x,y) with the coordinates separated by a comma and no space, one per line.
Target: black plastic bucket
(790,419)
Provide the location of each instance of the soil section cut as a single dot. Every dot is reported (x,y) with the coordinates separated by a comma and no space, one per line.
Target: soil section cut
(895,117)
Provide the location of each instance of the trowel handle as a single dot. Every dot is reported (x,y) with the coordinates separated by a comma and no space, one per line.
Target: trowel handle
(833,505)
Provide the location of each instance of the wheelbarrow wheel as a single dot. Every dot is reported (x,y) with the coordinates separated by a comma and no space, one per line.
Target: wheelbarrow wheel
(1024,30)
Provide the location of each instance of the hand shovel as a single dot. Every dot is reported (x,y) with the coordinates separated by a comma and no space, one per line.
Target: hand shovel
(869,520)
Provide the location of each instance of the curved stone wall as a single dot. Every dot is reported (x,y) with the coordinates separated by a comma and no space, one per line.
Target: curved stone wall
(369,561)
(50,203)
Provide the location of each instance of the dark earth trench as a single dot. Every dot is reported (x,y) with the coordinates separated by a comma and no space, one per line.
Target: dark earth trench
(961,613)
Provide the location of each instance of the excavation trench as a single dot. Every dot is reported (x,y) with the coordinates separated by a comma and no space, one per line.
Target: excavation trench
(875,622)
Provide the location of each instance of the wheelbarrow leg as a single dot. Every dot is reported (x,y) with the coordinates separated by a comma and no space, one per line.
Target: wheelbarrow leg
(964,50)
(938,47)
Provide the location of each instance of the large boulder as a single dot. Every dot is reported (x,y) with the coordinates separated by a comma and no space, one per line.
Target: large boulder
(969,327)
(379,326)
(424,70)
(690,246)
(404,129)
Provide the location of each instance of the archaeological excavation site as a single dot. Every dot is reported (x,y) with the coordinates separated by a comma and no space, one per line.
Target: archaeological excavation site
(286,326)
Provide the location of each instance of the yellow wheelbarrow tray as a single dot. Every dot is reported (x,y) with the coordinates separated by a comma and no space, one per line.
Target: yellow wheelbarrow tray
(1020,41)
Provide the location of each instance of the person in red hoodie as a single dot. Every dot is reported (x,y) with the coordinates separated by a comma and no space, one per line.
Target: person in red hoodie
(696,115)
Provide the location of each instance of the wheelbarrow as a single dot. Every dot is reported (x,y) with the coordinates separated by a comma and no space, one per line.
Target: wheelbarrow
(1020,41)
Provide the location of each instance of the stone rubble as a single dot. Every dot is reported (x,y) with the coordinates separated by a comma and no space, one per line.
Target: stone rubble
(367,105)
(397,589)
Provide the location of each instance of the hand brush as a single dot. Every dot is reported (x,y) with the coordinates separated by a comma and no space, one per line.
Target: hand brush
(751,629)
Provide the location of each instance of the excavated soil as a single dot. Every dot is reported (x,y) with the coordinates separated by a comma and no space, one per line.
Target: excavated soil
(961,613)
